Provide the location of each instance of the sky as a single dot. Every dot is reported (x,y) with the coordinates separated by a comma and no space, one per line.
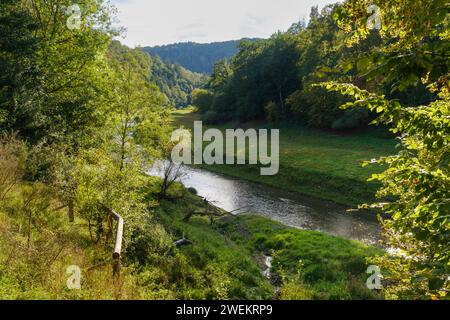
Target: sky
(158,22)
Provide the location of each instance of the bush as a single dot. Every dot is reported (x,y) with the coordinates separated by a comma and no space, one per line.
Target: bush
(211,117)
(293,290)
(351,119)
(297,106)
(12,163)
(273,112)
(202,99)
(316,106)
(192,190)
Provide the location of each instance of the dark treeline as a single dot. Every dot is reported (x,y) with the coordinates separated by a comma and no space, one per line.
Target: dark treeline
(274,79)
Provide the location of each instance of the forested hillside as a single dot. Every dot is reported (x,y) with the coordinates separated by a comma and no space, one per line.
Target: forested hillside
(196,57)
(174,81)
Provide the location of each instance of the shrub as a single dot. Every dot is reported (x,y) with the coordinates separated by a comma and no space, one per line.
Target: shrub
(12,163)
(293,290)
(211,117)
(273,112)
(202,99)
(192,190)
(351,119)
(297,106)
(316,106)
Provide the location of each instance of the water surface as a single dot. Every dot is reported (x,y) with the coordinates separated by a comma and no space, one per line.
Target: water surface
(288,208)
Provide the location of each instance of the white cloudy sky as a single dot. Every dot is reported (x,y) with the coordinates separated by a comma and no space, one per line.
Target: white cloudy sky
(156,22)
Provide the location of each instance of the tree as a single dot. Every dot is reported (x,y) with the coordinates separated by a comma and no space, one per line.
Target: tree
(202,99)
(221,74)
(19,79)
(416,186)
(71,92)
(172,173)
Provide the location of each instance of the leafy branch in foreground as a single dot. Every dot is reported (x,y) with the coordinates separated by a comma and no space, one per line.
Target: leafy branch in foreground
(415,193)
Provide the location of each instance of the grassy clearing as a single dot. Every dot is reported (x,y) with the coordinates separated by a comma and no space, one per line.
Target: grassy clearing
(325,165)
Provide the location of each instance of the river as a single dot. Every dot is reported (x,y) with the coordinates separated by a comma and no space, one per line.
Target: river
(288,208)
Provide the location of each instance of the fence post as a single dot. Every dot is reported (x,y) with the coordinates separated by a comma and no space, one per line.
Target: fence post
(118,245)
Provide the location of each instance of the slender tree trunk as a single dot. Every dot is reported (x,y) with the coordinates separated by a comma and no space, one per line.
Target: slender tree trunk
(71,211)
(281,102)
(29,230)
(109,230)
(127,122)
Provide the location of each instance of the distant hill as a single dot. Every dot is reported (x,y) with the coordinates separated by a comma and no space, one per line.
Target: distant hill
(195,56)
(175,81)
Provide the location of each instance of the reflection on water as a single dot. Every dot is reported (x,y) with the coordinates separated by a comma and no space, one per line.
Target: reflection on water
(288,208)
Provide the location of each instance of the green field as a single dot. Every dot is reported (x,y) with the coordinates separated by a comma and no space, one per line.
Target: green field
(326,165)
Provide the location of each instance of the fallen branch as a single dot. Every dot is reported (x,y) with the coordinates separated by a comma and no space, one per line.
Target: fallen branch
(182,242)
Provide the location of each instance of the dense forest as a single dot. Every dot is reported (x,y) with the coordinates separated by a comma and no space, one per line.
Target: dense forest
(197,57)
(277,79)
(83,118)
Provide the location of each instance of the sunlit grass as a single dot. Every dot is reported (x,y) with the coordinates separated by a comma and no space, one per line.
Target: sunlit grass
(326,165)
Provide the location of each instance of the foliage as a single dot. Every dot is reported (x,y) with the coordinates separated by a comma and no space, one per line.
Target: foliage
(18,52)
(176,82)
(12,164)
(417,43)
(211,117)
(202,99)
(93,122)
(415,193)
(262,72)
(271,79)
(416,185)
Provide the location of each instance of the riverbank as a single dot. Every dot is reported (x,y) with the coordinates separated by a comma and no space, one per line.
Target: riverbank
(288,208)
(324,165)
(306,264)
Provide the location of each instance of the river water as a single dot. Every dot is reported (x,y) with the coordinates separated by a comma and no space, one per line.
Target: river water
(288,208)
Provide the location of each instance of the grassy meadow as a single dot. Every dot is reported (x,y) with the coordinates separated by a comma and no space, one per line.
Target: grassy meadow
(322,164)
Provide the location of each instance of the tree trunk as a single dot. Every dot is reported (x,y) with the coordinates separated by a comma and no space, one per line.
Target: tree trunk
(30,213)
(281,103)
(71,211)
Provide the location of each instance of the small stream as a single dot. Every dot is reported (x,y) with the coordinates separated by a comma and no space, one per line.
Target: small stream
(286,207)
(268,263)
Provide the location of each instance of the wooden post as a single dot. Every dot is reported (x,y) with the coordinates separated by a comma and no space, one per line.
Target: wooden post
(116,267)
(118,244)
